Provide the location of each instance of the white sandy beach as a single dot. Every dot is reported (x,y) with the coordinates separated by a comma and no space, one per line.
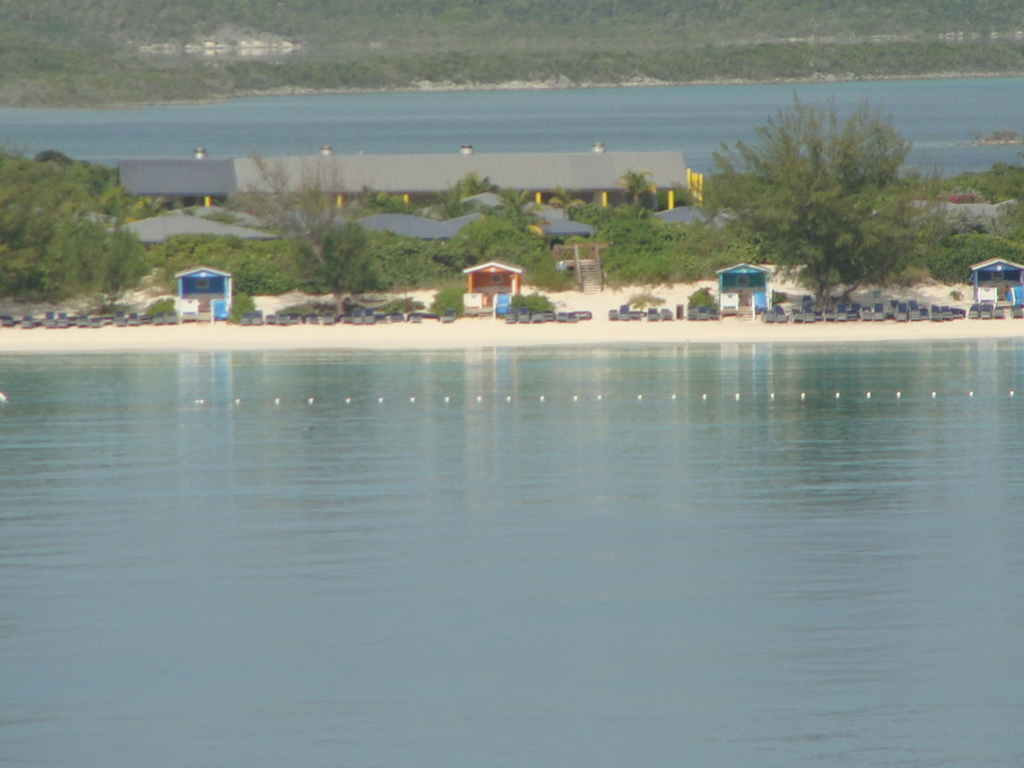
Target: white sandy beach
(479,333)
(486,332)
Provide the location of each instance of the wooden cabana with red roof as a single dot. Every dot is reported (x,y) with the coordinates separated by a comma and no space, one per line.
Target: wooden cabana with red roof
(485,281)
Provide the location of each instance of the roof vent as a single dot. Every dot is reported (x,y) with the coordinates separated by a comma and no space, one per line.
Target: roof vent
(199,153)
(598,147)
(466,149)
(326,150)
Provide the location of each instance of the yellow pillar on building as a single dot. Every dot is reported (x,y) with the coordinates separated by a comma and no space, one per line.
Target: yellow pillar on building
(671,199)
(537,198)
(339,201)
(604,199)
(207,201)
(405,198)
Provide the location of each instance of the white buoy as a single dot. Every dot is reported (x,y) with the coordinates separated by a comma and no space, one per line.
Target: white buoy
(673,397)
(412,399)
(599,397)
(348,401)
(737,396)
(704,396)
(447,399)
(479,399)
(310,401)
(971,393)
(899,395)
(575,398)
(277,401)
(1011,393)
(238,401)
(639,397)
(3,397)
(200,402)
(380,399)
(803,395)
(508,398)
(837,395)
(868,396)
(933,395)
(542,398)
(771,396)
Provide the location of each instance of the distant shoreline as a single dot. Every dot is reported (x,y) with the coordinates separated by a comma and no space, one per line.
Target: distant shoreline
(553,84)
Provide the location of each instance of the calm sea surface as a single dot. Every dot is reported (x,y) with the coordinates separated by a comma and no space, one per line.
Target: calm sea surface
(478,582)
(935,114)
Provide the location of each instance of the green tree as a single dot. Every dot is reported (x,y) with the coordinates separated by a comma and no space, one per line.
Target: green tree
(637,185)
(343,264)
(822,196)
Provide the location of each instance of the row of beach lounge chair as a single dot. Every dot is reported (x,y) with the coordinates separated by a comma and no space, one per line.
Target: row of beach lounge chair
(65,320)
(899,311)
(651,314)
(369,317)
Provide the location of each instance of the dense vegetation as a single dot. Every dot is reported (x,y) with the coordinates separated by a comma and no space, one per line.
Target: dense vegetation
(61,236)
(39,74)
(88,52)
(104,21)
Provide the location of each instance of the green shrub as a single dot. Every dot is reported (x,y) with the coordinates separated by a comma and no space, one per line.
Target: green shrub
(951,261)
(652,252)
(534,302)
(645,299)
(778,297)
(241,303)
(701,298)
(449,298)
(257,267)
(404,306)
(161,305)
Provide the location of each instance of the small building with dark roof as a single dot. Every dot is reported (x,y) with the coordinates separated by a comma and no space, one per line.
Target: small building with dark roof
(204,292)
(998,279)
(744,285)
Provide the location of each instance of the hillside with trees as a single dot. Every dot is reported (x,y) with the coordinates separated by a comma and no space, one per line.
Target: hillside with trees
(57,53)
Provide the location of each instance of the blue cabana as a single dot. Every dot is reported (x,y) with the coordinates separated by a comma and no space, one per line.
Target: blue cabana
(744,285)
(204,290)
(997,279)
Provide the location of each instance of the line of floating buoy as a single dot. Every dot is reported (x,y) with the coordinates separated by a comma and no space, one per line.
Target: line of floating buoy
(3,397)
(737,396)
(200,401)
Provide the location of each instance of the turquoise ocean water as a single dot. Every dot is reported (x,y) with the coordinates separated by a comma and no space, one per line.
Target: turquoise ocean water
(936,115)
(501,580)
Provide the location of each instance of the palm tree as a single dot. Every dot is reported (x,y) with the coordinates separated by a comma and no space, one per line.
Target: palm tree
(517,205)
(637,184)
(562,198)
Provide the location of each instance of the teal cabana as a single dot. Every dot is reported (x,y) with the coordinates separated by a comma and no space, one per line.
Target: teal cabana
(204,292)
(744,286)
(998,279)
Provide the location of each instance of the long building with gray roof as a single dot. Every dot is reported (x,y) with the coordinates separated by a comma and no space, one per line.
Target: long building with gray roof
(415,175)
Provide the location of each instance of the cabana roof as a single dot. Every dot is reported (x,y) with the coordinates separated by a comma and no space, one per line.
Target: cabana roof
(498,265)
(995,265)
(744,269)
(202,272)
(566,228)
(681,215)
(159,228)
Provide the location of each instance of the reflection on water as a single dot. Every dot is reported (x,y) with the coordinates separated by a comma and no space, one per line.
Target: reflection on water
(613,581)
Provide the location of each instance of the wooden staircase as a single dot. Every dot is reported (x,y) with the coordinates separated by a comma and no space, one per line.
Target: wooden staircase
(589,272)
(745,313)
